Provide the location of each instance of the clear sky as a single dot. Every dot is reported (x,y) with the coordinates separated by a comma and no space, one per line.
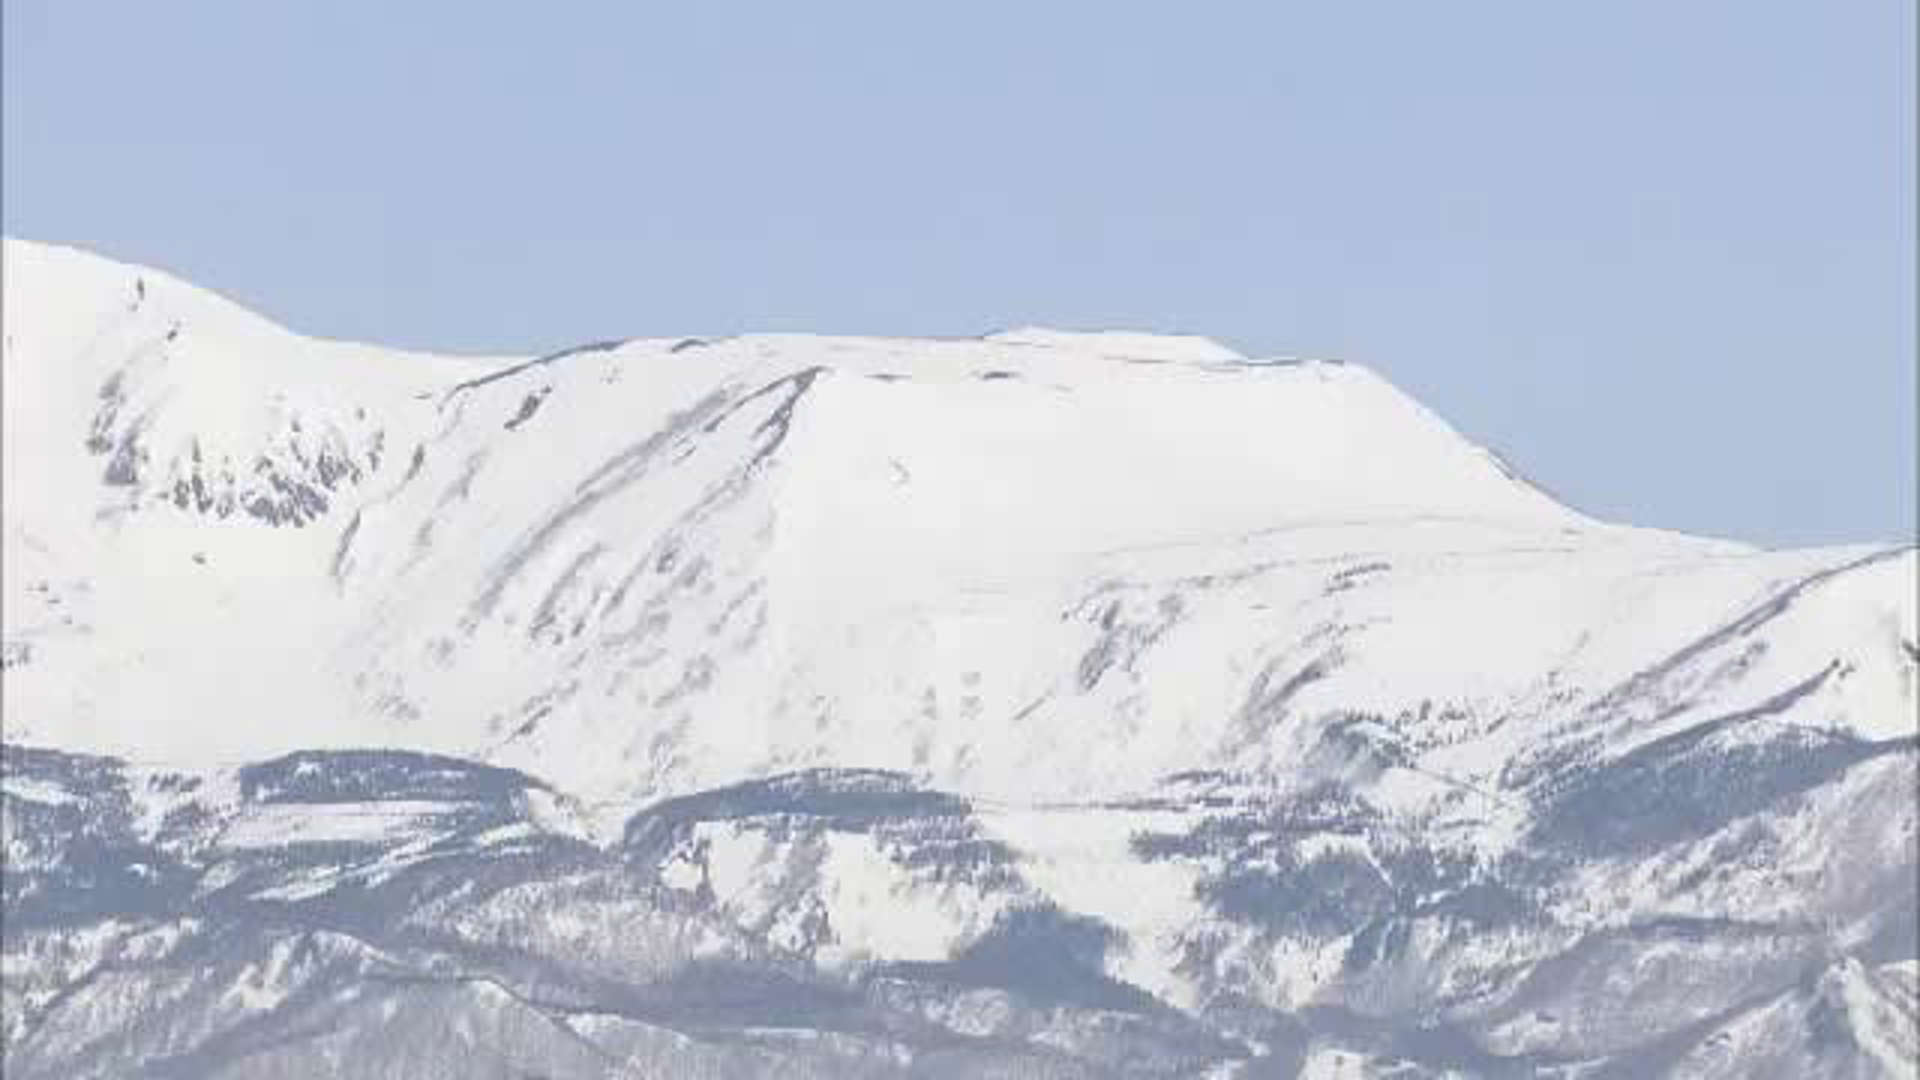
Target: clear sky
(1660,255)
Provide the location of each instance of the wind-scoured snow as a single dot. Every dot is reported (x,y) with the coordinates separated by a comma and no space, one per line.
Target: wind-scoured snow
(1102,701)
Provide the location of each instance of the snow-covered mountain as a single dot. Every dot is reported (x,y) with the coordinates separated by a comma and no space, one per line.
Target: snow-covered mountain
(1038,704)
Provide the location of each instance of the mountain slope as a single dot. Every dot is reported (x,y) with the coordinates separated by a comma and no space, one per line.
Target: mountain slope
(1294,728)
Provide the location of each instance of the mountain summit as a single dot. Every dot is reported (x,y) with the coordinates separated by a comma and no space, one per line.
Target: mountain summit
(1297,726)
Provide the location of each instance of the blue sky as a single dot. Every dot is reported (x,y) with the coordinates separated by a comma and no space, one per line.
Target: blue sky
(1659,255)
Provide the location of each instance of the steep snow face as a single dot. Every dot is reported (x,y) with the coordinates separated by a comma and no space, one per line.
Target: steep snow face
(1074,456)
(180,396)
(174,468)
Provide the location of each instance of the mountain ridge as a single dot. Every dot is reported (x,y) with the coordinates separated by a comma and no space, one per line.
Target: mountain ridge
(847,479)
(769,702)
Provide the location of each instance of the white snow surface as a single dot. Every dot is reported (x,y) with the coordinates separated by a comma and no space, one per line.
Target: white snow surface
(1039,566)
